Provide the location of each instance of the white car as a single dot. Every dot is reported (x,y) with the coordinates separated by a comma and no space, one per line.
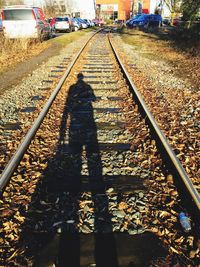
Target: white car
(63,24)
(25,22)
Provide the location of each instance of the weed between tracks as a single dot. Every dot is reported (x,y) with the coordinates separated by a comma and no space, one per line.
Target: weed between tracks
(70,37)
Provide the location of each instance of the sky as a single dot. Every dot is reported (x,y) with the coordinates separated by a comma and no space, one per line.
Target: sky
(34,2)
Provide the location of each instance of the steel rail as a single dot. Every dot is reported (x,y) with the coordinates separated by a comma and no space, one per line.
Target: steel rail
(168,149)
(16,158)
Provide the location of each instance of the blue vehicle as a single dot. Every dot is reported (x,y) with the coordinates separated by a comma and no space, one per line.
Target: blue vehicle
(129,22)
(76,24)
(82,23)
(147,20)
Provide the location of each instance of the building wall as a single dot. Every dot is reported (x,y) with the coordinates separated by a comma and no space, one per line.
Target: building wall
(146,6)
(106,2)
(124,7)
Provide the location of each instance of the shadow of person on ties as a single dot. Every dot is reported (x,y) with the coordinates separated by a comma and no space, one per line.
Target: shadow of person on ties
(83,140)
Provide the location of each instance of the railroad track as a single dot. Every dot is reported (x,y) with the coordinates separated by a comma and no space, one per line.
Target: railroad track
(81,189)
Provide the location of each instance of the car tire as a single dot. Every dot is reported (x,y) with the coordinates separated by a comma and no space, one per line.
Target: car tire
(146,26)
(51,33)
(70,29)
(41,37)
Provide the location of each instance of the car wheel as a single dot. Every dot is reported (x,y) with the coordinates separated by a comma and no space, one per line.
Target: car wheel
(51,34)
(41,37)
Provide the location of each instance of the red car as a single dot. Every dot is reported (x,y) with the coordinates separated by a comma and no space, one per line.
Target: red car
(52,22)
(98,22)
(176,21)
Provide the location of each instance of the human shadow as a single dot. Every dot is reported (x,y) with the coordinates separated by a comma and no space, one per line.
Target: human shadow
(55,225)
(82,142)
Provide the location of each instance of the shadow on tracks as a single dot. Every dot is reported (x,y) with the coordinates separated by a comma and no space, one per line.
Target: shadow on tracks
(56,203)
(51,234)
(83,141)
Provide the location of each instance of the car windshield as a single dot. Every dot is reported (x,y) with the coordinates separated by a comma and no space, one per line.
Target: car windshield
(61,19)
(144,16)
(18,14)
(137,16)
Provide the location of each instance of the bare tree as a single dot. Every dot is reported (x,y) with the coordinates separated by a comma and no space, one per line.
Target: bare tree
(132,7)
(2,3)
(13,2)
(68,6)
(190,9)
(136,6)
(49,8)
(57,6)
(174,7)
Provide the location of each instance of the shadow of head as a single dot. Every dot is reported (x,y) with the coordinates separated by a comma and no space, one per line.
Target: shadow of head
(80,76)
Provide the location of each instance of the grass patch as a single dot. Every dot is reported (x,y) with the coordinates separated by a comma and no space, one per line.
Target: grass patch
(68,38)
(149,45)
(141,42)
(149,55)
(14,51)
(16,45)
(130,37)
(162,47)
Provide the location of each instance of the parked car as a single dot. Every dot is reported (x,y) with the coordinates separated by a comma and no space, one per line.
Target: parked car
(92,23)
(1,25)
(129,22)
(147,20)
(76,25)
(98,22)
(82,23)
(63,24)
(177,21)
(52,22)
(25,22)
(119,22)
(166,22)
(89,22)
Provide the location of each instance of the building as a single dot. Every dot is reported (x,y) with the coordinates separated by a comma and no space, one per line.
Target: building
(113,9)
(124,9)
